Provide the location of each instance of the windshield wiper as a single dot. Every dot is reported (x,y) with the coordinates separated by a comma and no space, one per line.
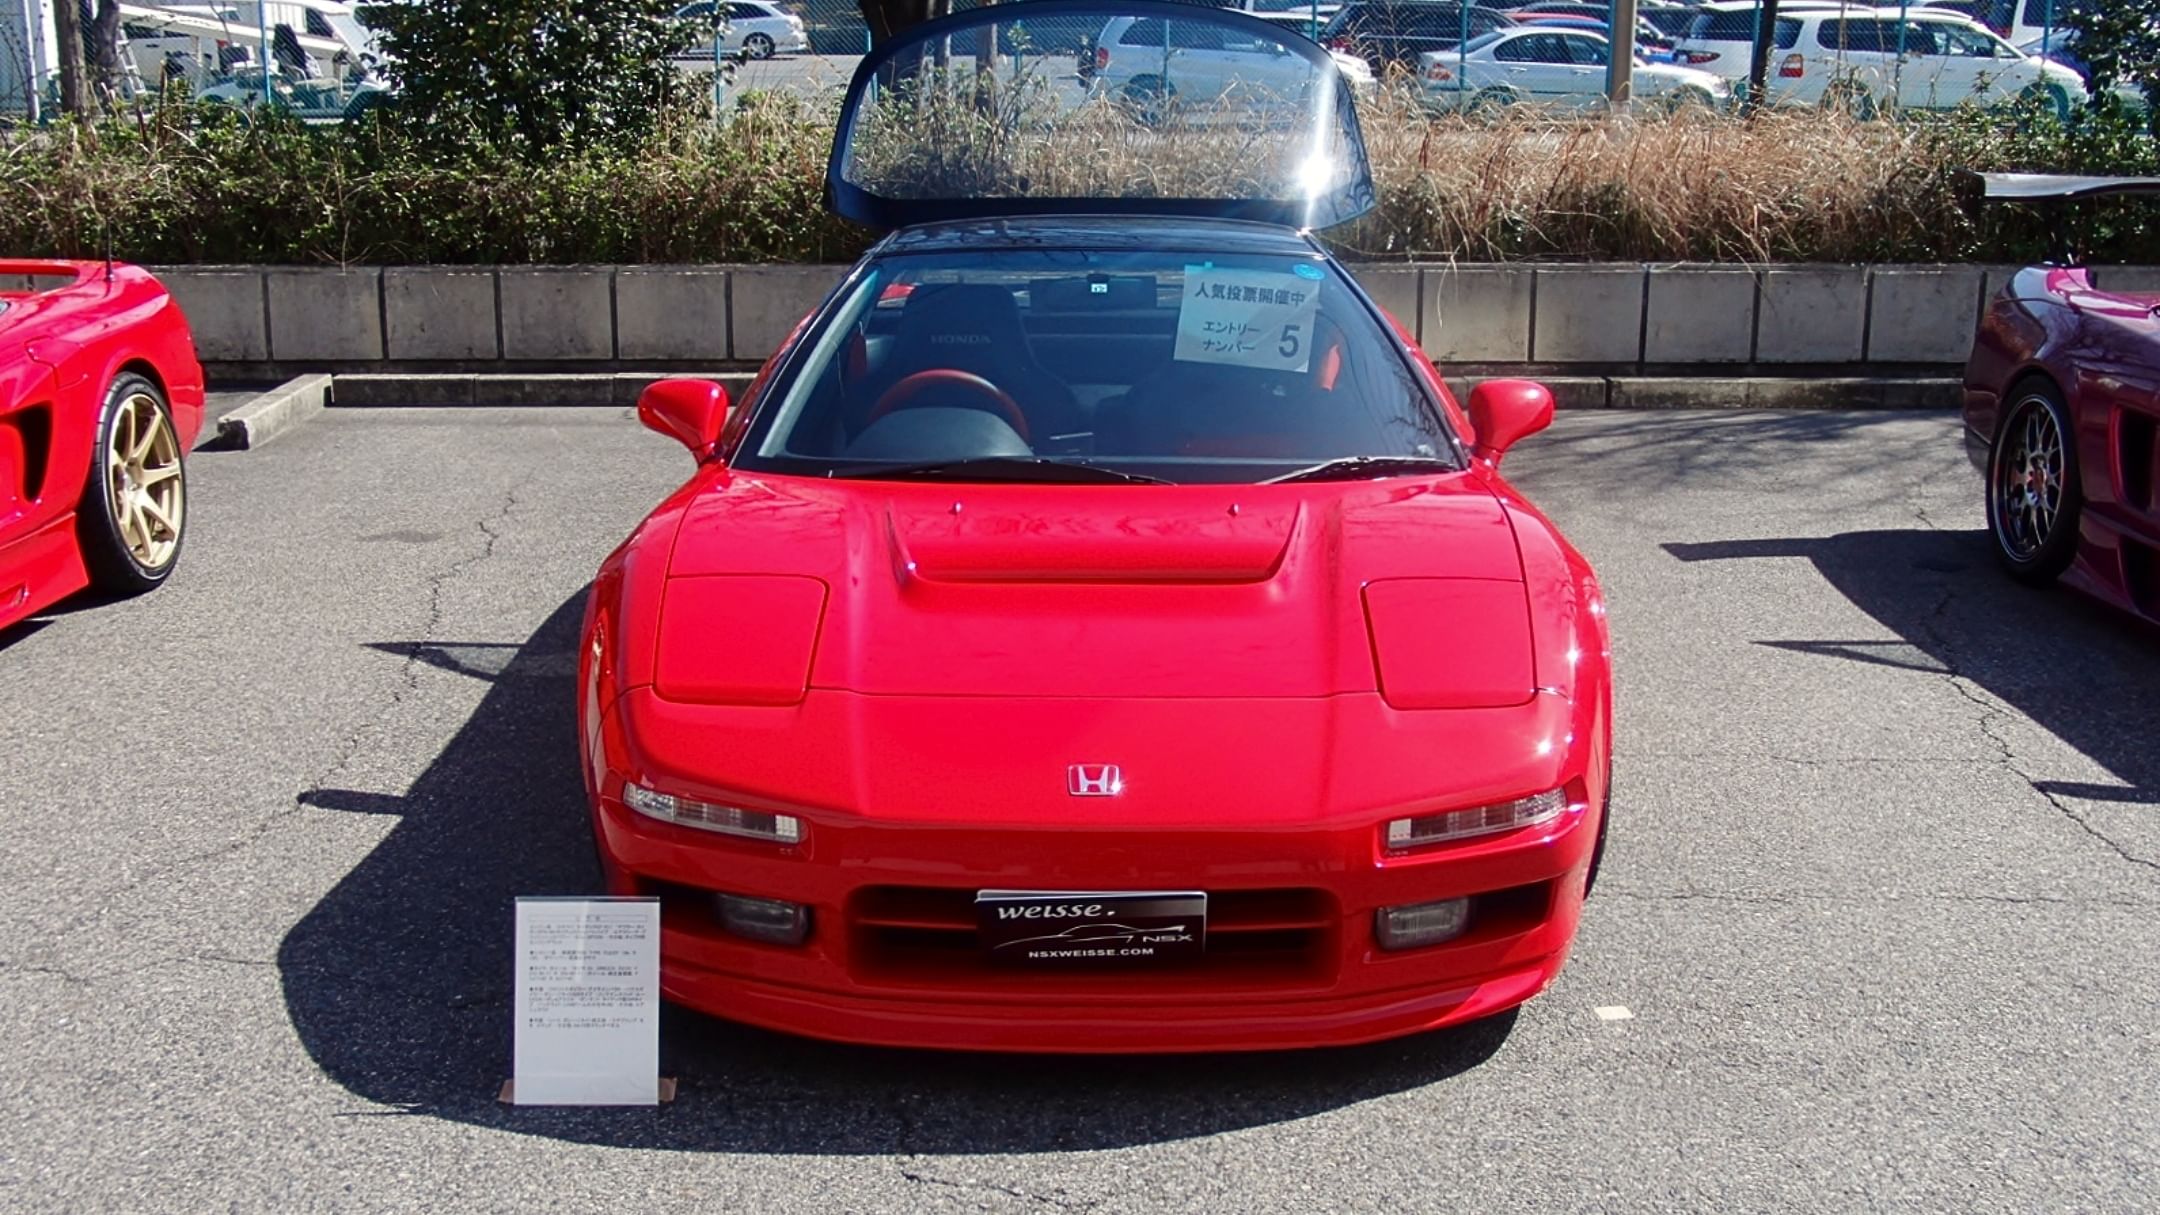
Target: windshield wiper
(1358,468)
(1006,468)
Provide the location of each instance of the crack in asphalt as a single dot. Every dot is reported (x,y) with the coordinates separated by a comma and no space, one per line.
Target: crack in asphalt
(1991,713)
(491,528)
(91,978)
(1061,1201)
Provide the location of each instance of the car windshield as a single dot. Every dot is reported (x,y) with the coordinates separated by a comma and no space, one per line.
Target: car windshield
(1178,110)
(1114,365)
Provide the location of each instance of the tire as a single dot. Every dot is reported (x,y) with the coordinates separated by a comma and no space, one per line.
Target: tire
(760,46)
(1851,100)
(2033,502)
(2050,99)
(1491,101)
(133,513)
(1688,99)
(1148,99)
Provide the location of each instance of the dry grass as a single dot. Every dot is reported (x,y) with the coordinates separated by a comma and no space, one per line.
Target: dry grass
(1692,185)
(1803,186)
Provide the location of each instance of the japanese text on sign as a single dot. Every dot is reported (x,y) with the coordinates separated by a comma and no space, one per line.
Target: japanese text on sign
(1250,318)
(586,1009)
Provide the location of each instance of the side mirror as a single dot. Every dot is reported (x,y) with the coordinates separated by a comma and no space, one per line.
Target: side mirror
(1504,413)
(691,412)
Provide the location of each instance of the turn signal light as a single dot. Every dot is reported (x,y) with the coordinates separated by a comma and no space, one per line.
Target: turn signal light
(1793,68)
(1436,72)
(773,921)
(1408,833)
(726,820)
(1421,923)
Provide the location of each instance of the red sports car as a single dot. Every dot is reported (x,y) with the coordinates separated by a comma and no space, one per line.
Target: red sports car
(100,399)
(1097,628)
(2062,410)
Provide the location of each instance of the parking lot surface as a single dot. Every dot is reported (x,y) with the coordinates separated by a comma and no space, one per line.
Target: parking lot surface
(1879,906)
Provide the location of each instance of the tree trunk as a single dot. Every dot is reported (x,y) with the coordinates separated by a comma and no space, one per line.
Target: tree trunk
(67,26)
(889,17)
(101,46)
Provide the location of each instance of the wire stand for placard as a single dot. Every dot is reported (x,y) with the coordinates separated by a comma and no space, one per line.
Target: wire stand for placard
(507,1094)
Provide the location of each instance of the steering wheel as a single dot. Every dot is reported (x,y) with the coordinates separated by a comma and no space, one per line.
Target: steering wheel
(911,386)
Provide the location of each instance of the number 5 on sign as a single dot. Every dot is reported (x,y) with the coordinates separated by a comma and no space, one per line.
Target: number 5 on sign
(1247,318)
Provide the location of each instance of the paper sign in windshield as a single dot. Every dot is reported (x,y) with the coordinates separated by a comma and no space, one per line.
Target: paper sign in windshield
(1248,318)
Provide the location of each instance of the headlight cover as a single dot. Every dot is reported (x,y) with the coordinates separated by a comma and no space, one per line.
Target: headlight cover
(1407,834)
(726,820)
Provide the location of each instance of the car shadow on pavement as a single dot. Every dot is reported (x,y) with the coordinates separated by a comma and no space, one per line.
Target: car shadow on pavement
(2082,671)
(398,984)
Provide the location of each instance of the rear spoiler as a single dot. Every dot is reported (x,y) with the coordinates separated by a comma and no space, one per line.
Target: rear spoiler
(2049,187)
(2050,190)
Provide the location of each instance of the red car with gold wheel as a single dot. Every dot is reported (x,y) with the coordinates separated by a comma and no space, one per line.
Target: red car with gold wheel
(100,399)
(1098,628)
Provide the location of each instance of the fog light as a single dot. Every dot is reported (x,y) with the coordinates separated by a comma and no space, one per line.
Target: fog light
(769,920)
(1403,833)
(1421,923)
(727,820)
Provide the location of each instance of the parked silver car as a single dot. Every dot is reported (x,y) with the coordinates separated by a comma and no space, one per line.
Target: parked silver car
(1557,68)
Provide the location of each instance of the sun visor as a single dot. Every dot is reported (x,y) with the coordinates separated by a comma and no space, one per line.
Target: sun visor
(1071,107)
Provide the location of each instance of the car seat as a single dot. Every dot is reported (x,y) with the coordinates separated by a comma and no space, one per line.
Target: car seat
(971,327)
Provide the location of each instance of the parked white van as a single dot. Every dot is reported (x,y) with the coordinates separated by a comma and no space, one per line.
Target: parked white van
(1865,60)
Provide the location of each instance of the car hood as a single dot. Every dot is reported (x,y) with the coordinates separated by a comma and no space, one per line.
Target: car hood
(781,585)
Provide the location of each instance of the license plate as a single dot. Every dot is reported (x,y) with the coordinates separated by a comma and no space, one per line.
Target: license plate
(1061,928)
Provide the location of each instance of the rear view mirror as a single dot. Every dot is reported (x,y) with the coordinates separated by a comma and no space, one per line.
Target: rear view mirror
(1505,412)
(689,411)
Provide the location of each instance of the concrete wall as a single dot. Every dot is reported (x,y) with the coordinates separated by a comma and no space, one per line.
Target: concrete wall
(1596,319)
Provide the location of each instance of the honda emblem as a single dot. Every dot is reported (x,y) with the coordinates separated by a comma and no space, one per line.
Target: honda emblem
(1094,780)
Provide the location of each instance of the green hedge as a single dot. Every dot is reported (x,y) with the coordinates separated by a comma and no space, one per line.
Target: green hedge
(183,184)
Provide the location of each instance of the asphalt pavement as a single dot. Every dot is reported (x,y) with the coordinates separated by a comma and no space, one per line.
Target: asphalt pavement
(1877,929)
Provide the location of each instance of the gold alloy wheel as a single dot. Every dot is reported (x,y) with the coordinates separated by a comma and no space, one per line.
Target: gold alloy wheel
(143,484)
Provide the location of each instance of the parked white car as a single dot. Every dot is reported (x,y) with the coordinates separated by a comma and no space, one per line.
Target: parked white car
(1721,38)
(2061,47)
(1151,63)
(1865,60)
(1556,68)
(755,27)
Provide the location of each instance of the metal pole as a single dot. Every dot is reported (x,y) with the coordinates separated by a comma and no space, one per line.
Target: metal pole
(262,47)
(1897,73)
(1620,57)
(1312,22)
(1462,57)
(1758,72)
(2047,27)
(719,67)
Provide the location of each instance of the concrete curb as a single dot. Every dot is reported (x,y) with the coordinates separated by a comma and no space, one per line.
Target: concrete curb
(273,413)
(621,389)
(371,390)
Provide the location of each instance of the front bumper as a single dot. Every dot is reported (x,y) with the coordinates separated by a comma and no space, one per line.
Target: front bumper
(891,958)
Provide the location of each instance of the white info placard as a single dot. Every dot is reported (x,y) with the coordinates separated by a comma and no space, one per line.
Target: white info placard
(1251,318)
(587,1002)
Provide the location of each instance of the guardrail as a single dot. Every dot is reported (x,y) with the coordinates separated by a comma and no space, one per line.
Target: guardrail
(1590,319)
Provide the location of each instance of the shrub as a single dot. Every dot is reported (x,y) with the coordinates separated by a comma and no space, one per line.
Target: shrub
(531,76)
(181,185)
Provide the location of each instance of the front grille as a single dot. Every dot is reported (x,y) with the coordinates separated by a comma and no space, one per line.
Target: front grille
(925,936)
